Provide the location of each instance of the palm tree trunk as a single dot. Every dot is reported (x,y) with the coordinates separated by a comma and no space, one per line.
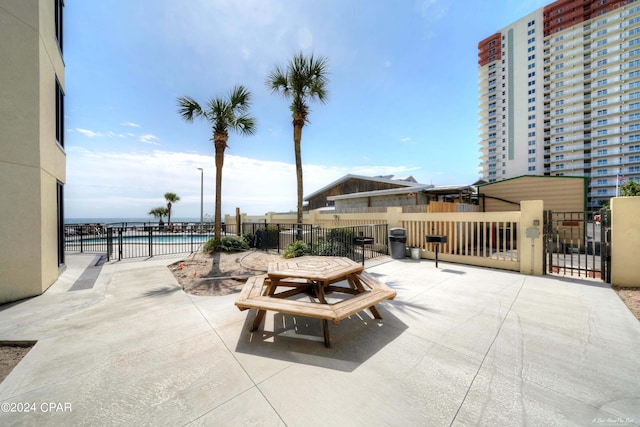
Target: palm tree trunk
(297,137)
(219,143)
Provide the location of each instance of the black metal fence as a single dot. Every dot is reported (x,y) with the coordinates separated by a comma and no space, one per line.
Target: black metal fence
(359,242)
(136,240)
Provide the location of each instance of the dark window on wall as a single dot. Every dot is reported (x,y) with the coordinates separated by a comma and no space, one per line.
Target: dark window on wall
(60,222)
(59,114)
(58,5)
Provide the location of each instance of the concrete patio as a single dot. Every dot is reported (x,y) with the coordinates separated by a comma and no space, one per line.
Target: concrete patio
(122,344)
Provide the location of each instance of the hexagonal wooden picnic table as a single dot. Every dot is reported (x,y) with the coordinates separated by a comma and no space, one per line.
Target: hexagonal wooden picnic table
(316,276)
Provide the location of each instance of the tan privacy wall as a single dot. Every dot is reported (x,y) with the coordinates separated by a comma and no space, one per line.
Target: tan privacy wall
(558,193)
(625,241)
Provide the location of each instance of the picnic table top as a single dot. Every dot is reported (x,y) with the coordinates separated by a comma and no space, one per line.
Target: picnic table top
(317,268)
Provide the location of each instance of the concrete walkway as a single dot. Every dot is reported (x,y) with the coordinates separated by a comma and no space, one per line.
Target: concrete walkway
(459,346)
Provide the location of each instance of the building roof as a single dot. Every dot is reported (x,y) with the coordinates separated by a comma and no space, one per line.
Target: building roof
(387,179)
(428,188)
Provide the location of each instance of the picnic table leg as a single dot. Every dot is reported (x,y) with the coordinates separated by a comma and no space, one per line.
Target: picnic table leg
(325,329)
(356,281)
(257,320)
(319,291)
(271,289)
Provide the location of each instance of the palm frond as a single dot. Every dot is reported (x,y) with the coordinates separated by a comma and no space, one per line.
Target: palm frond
(189,108)
(278,81)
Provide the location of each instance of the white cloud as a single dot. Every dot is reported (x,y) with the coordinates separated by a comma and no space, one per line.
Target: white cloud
(407,139)
(121,185)
(130,124)
(149,139)
(89,133)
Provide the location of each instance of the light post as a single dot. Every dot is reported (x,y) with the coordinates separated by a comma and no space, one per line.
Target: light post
(201,194)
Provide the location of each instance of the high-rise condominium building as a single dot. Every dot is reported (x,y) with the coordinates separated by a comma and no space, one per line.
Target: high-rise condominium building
(559,94)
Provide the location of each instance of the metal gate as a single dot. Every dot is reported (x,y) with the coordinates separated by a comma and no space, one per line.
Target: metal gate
(578,244)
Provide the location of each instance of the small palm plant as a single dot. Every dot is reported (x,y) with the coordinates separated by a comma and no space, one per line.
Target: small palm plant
(158,213)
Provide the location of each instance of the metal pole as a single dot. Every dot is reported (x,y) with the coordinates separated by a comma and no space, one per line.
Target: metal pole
(201,195)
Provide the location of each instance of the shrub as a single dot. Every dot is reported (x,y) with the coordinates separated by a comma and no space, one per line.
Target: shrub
(226,244)
(233,244)
(210,246)
(297,249)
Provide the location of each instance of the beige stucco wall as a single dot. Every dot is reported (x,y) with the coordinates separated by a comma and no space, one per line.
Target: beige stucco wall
(558,193)
(625,241)
(31,162)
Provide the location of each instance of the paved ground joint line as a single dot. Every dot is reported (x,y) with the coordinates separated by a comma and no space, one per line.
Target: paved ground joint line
(487,352)
(237,361)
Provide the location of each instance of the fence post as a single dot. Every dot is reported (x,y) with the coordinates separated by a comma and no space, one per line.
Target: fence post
(531,248)
(109,243)
(394,217)
(150,242)
(119,243)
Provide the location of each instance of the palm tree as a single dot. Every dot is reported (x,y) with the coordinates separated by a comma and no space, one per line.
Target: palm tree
(303,80)
(158,213)
(171,198)
(224,114)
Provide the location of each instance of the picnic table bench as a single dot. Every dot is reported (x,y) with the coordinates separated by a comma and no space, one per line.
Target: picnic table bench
(315,276)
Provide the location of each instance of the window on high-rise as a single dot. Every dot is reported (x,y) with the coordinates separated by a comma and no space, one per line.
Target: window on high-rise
(602,152)
(601,162)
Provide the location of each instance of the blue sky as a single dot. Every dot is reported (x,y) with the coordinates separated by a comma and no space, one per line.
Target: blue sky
(402,97)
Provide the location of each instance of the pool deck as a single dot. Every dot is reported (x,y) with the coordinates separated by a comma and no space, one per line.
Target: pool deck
(459,345)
